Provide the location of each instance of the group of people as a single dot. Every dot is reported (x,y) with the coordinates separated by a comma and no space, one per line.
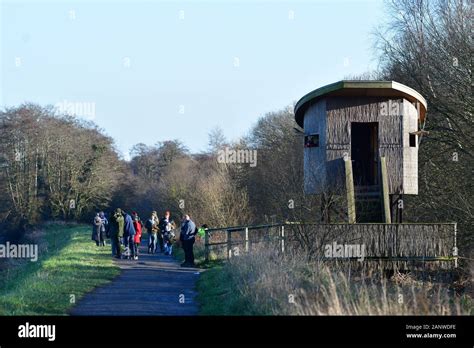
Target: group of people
(125,233)
(161,232)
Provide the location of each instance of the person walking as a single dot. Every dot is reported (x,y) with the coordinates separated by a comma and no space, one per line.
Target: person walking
(137,224)
(116,232)
(129,236)
(187,237)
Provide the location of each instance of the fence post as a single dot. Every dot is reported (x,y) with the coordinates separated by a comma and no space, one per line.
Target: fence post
(351,208)
(206,245)
(385,196)
(246,239)
(229,244)
(282,238)
(455,249)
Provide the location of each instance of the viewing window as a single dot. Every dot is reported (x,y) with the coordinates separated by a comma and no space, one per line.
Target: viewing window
(412,140)
(311,140)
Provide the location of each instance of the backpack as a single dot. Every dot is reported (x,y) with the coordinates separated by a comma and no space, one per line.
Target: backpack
(163,224)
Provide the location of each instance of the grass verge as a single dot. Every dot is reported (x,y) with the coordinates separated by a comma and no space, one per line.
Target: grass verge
(266,283)
(69,265)
(217,295)
(214,285)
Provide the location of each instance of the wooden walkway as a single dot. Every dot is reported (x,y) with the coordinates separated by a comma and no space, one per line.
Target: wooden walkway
(152,285)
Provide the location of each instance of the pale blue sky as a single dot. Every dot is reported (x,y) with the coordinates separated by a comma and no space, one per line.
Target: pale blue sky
(158,70)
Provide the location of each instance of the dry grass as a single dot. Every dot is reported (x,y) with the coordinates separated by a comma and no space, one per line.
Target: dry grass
(272,284)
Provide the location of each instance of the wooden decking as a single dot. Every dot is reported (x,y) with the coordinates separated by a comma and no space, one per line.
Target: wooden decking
(153,285)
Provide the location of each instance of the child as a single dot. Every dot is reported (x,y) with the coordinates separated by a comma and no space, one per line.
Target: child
(168,238)
(137,224)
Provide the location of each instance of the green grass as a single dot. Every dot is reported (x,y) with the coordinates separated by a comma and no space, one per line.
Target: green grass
(214,287)
(69,265)
(217,294)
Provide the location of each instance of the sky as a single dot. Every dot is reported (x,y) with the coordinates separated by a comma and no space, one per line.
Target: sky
(149,71)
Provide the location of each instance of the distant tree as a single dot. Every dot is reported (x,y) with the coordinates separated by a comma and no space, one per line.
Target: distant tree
(169,151)
(217,139)
(275,185)
(144,161)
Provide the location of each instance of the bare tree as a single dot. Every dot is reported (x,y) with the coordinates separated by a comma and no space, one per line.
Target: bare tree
(427,45)
(53,166)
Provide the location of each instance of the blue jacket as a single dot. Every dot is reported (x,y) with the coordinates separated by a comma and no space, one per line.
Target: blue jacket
(188,230)
(128,229)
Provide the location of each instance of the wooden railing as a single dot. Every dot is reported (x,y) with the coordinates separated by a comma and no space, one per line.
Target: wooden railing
(230,243)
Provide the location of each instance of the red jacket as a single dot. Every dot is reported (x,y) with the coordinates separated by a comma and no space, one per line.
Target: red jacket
(138,231)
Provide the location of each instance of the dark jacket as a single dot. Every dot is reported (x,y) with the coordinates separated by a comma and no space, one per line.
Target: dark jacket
(188,230)
(165,224)
(128,229)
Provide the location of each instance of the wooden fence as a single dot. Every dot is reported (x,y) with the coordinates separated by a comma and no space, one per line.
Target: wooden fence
(391,243)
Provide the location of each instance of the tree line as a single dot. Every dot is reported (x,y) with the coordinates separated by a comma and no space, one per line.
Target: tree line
(52,167)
